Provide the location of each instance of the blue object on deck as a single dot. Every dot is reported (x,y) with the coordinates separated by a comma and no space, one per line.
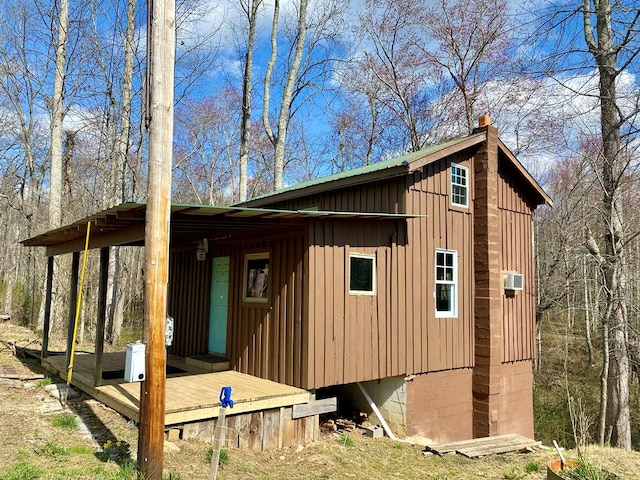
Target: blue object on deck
(225,397)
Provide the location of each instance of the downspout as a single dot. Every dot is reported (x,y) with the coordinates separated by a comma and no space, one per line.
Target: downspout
(373,406)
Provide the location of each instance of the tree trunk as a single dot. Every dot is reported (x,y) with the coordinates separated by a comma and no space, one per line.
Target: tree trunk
(247,89)
(587,312)
(57,117)
(279,139)
(613,167)
(117,178)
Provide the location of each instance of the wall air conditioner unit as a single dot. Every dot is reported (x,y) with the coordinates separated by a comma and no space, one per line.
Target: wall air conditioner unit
(513,281)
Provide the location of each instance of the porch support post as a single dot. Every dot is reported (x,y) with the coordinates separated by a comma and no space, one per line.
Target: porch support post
(47,309)
(102,310)
(73,299)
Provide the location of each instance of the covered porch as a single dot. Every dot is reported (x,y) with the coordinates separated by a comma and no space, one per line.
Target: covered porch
(192,393)
(265,414)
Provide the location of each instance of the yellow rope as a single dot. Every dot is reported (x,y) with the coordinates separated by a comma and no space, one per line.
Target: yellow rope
(78,305)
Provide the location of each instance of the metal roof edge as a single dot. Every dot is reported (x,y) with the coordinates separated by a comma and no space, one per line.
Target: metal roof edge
(361,174)
(546,199)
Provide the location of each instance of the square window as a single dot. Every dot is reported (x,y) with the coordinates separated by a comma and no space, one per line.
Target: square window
(256,277)
(459,186)
(362,274)
(446,285)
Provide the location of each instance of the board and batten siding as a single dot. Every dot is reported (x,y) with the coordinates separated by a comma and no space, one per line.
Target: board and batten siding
(516,256)
(394,332)
(188,302)
(268,339)
(386,196)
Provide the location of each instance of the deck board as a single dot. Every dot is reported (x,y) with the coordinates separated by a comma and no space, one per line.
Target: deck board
(479,447)
(189,397)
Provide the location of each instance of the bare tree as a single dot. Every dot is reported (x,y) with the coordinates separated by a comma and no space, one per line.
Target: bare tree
(469,41)
(279,137)
(605,49)
(250,9)
(595,45)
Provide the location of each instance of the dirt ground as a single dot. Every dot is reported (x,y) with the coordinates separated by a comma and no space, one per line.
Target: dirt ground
(36,438)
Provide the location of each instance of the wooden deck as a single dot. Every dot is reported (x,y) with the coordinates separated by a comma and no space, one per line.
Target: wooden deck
(192,394)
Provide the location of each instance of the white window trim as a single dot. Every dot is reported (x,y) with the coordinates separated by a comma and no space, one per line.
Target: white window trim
(453,313)
(466,170)
(374,277)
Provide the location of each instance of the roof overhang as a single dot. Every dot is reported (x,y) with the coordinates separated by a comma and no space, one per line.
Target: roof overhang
(542,197)
(125,225)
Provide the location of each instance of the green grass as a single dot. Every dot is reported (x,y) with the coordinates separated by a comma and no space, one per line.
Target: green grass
(222,460)
(513,473)
(22,471)
(346,441)
(44,382)
(66,420)
(532,467)
(53,450)
(587,470)
(80,450)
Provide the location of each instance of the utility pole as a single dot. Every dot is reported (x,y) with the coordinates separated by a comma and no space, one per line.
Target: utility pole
(160,79)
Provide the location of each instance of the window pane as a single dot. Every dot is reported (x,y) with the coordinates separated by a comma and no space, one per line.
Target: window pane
(439,258)
(440,273)
(449,259)
(449,275)
(361,278)
(443,297)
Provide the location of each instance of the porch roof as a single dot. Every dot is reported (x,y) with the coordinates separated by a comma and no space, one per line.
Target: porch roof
(125,224)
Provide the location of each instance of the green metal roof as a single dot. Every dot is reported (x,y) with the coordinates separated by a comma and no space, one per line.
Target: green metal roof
(402,163)
(124,225)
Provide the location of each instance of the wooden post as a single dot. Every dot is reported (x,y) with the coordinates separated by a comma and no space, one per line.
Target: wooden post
(218,442)
(161,34)
(73,299)
(47,309)
(102,311)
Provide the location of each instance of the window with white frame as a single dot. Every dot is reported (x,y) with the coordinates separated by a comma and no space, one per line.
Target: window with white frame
(446,293)
(362,274)
(459,185)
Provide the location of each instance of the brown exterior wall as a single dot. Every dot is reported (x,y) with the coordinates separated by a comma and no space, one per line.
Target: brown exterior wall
(267,340)
(516,256)
(386,196)
(359,338)
(188,302)
(443,343)
(516,400)
(351,337)
(440,406)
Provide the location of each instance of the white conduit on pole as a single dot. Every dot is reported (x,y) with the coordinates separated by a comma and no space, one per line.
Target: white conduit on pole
(374,407)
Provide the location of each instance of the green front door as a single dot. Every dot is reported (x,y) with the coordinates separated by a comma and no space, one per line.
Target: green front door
(219,302)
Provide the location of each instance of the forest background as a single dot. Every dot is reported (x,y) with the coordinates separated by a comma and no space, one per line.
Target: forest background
(272,92)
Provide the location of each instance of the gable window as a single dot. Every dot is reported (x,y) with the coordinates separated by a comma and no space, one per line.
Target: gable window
(362,274)
(446,293)
(459,185)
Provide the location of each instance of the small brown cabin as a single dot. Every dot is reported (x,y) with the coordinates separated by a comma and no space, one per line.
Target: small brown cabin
(413,276)
(407,294)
